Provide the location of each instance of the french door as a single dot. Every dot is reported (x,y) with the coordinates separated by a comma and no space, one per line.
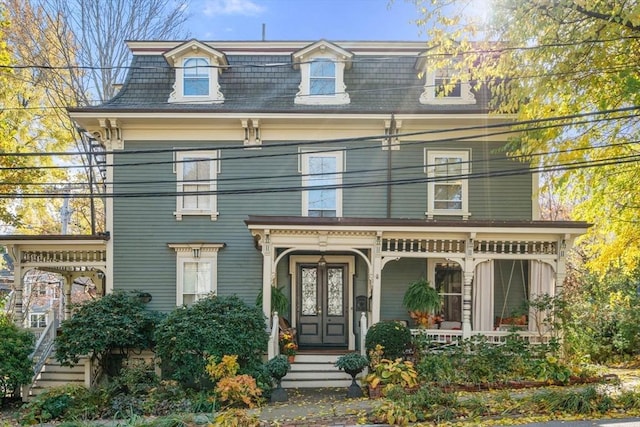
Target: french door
(322,305)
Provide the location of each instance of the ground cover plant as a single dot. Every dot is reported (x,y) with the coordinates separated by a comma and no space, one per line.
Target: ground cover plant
(477,362)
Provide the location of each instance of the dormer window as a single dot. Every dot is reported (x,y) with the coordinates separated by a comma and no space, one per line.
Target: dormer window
(196,77)
(442,87)
(197,69)
(322,78)
(322,66)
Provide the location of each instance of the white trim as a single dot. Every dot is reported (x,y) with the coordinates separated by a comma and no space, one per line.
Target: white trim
(303,168)
(304,96)
(429,96)
(200,253)
(214,166)
(214,96)
(429,162)
(294,260)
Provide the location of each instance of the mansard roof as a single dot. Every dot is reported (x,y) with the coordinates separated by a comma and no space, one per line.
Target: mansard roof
(260,78)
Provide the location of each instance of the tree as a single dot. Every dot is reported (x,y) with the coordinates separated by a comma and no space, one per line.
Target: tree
(545,59)
(74,52)
(27,126)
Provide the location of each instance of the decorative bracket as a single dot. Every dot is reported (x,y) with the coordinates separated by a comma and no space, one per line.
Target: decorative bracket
(391,129)
(251,133)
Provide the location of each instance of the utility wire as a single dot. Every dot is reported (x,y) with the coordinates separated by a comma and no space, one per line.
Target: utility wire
(517,125)
(525,170)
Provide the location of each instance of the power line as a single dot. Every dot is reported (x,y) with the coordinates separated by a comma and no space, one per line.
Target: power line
(470,176)
(513,124)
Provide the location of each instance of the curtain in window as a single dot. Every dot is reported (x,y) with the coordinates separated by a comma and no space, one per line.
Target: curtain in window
(543,281)
(483,299)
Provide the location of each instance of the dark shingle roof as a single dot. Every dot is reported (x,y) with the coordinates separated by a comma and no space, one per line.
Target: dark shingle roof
(375,84)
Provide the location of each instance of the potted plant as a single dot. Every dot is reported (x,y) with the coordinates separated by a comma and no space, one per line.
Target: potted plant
(279,301)
(288,346)
(422,301)
(278,368)
(352,363)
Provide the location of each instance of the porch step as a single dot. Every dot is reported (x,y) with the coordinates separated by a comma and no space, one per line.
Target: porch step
(315,370)
(55,375)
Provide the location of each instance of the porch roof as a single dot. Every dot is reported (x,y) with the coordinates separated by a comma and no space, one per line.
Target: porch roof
(572,227)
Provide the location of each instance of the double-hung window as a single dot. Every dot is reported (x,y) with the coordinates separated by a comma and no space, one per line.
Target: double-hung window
(322,78)
(322,175)
(445,86)
(37,320)
(196,77)
(196,271)
(447,191)
(196,174)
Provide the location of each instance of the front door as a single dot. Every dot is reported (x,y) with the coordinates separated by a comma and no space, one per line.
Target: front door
(322,305)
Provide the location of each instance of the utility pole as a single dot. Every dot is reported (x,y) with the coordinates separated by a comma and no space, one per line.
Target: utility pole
(65,212)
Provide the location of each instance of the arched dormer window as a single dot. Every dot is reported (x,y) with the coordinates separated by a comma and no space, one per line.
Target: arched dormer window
(197,69)
(196,77)
(322,66)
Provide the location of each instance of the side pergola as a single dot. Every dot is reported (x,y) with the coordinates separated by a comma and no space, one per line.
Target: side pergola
(69,256)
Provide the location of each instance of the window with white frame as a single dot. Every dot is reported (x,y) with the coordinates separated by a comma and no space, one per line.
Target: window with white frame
(447,190)
(322,170)
(37,320)
(322,77)
(196,75)
(196,271)
(198,67)
(442,87)
(196,174)
(448,282)
(322,67)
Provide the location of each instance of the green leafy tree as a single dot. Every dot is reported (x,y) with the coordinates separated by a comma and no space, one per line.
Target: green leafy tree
(545,59)
(15,347)
(213,326)
(115,323)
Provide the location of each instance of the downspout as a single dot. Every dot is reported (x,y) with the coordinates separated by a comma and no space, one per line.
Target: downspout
(390,136)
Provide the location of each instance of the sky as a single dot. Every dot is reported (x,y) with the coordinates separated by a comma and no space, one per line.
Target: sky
(304,20)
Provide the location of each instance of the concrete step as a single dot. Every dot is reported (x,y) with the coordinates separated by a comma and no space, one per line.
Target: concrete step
(311,370)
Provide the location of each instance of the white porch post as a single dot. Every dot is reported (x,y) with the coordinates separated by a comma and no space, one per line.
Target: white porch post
(267,274)
(466,300)
(18,283)
(561,266)
(376,282)
(376,291)
(67,287)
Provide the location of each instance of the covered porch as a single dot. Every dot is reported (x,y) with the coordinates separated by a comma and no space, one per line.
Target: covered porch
(343,274)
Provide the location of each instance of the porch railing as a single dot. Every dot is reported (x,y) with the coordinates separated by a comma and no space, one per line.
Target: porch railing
(273,348)
(42,349)
(444,336)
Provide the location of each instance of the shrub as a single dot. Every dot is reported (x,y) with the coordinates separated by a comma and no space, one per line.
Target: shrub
(15,347)
(59,402)
(393,336)
(116,322)
(213,326)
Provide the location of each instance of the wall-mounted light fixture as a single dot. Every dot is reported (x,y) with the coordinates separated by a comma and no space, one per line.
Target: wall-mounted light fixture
(322,263)
(145,297)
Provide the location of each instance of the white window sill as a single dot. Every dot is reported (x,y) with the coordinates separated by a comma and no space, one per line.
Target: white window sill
(431,214)
(179,215)
(341,99)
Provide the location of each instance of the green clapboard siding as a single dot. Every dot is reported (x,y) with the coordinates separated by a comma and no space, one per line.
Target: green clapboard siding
(396,277)
(143,226)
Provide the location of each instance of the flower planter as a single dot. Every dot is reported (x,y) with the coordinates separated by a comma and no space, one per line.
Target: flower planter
(291,359)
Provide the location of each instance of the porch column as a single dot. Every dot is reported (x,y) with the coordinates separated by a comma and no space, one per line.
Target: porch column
(561,266)
(466,300)
(67,286)
(267,276)
(18,284)
(376,288)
